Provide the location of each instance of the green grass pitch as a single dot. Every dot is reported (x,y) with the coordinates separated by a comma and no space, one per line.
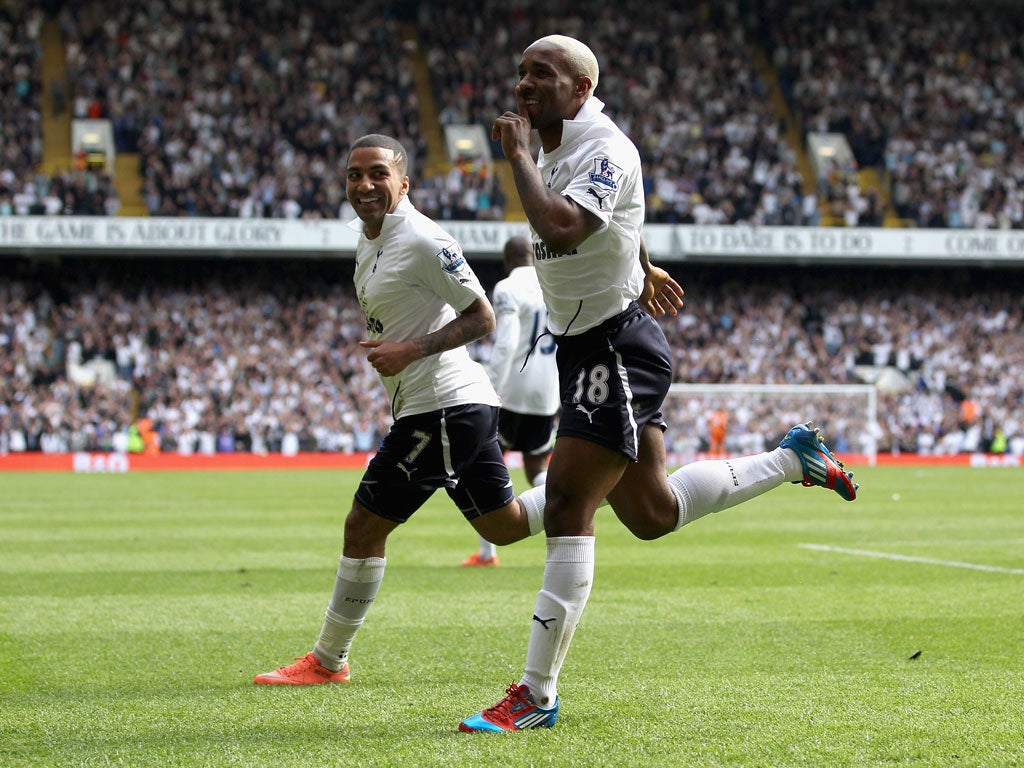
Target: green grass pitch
(796,630)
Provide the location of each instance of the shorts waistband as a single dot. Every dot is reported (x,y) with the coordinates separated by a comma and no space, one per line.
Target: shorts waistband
(616,320)
(606,325)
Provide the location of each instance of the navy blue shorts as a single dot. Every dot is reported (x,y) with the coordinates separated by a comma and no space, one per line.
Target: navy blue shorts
(526,432)
(454,448)
(614,379)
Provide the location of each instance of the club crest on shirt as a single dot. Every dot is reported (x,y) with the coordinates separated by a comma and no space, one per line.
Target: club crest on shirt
(606,173)
(451,260)
(551,175)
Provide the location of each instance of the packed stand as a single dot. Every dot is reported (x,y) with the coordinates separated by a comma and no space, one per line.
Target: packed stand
(955,342)
(263,357)
(469,191)
(243,109)
(25,190)
(697,108)
(230,359)
(928,93)
(234,121)
(21,133)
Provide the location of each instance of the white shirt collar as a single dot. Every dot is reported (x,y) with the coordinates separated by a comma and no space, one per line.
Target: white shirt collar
(573,129)
(403,209)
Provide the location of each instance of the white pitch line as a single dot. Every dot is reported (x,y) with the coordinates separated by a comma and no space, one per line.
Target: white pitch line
(908,559)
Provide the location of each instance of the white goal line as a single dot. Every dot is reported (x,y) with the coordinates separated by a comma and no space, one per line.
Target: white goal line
(793,389)
(910,559)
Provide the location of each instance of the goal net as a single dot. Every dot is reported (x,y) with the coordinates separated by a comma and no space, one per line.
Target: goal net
(711,420)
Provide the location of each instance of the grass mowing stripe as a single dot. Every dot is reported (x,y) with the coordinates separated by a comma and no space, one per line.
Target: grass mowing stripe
(135,609)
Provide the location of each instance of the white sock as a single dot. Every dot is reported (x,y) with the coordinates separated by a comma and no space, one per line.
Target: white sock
(355,588)
(568,577)
(541,478)
(704,487)
(487,550)
(533,502)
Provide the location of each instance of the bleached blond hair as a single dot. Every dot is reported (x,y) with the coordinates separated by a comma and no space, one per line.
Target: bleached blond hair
(579,57)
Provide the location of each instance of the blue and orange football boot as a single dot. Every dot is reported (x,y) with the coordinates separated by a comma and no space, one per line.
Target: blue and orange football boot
(820,466)
(516,712)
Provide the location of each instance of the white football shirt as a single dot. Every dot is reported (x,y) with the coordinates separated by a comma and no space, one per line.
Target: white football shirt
(599,168)
(410,280)
(518,338)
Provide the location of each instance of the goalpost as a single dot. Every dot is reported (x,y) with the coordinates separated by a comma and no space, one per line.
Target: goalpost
(758,415)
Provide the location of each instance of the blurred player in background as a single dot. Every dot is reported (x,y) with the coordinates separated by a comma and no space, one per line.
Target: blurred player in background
(423,303)
(522,370)
(584,199)
(718,423)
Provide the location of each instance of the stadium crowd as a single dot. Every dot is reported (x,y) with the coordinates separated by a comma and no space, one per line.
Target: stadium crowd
(239,109)
(232,119)
(929,94)
(25,187)
(247,110)
(263,357)
(698,109)
(21,145)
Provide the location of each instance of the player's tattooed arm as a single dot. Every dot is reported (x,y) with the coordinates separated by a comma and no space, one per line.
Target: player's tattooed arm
(475,322)
(392,357)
